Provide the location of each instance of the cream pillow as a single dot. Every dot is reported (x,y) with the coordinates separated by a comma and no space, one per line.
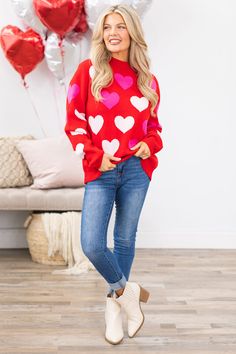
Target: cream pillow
(52,162)
(13,169)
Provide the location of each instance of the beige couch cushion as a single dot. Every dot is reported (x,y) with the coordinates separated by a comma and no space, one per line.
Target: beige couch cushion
(13,168)
(25,198)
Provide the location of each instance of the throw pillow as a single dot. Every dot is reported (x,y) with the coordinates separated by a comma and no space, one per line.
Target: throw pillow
(52,162)
(13,168)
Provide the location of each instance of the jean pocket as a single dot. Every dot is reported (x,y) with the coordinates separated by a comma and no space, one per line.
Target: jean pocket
(142,170)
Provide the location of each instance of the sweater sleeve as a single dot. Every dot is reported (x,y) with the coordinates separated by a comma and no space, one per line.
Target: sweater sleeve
(76,127)
(152,137)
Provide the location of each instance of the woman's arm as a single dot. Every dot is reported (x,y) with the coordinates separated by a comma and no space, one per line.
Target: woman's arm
(152,138)
(76,127)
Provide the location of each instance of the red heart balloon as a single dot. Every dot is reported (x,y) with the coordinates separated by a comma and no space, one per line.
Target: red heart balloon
(59,16)
(82,26)
(24,50)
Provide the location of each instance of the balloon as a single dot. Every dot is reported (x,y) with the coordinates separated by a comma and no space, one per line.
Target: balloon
(82,26)
(60,55)
(24,50)
(95,8)
(54,55)
(25,10)
(141,6)
(60,16)
(63,60)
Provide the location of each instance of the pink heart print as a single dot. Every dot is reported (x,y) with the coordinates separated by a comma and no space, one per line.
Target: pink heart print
(145,126)
(73,92)
(132,142)
(124,81)
(155,125)
(153,85)
(110,99)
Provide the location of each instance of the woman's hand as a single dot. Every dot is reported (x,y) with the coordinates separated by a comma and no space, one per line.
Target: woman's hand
(143,151)
(106,165)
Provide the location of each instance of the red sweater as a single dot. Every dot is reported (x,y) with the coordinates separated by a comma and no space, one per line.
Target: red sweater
(113,125)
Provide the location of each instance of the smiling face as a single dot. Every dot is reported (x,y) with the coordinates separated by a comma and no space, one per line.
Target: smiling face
(116,36)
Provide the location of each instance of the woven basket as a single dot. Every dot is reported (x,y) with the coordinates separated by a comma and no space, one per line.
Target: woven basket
(38,242)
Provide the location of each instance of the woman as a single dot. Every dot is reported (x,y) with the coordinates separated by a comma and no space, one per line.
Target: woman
(112,124)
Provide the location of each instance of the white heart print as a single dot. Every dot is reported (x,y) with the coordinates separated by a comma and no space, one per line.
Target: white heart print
(110,147)
(80,115)
(79,150)
(124,124)
(140,103)
(78,131)
(96,123)
(91,71)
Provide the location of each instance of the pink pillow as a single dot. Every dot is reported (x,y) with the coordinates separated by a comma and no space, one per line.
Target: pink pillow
(52,162)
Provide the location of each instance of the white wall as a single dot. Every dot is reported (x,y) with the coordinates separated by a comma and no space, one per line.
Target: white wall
(190,202)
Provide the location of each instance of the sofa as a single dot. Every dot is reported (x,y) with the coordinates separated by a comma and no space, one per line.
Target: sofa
(42,176)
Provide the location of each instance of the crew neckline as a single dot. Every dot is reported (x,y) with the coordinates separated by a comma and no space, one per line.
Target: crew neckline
(119,61)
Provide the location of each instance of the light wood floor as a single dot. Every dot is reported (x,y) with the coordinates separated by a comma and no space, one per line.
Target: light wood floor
(191,309)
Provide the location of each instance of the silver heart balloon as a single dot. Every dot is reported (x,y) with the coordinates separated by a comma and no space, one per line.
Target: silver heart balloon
(25,10)
(63,57)
(94,8)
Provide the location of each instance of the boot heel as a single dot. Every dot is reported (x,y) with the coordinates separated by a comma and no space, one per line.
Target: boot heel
(144,295)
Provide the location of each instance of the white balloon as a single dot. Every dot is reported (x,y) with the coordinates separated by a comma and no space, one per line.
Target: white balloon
(54,57)
(141,6)
(25,10)
(94,8)
(63,62)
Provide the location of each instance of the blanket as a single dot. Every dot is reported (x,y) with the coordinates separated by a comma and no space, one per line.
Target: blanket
(63,233)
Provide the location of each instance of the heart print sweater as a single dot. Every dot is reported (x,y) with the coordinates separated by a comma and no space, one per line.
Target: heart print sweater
(114,124)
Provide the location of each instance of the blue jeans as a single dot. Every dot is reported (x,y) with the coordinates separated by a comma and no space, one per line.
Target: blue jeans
(126,185)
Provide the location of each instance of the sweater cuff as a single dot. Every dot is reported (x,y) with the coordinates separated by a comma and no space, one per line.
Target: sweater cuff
(154,143)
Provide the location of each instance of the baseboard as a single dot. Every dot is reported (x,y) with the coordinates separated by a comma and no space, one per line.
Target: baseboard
(212,240)
(16,238)
(13,238)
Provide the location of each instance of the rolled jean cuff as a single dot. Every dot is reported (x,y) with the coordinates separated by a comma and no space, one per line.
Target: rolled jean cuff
(119,284)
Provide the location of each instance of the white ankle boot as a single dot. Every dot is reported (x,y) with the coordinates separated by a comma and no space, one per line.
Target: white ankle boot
(114,329)
(130,301)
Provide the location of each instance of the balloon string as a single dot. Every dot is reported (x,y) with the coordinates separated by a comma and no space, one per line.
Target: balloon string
(62,100)
(57,106)
(64,86)
(80,55)
(34,108)
(63,64)
(24,82)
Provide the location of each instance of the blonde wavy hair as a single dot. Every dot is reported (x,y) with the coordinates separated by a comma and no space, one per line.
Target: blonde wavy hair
(138,57)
